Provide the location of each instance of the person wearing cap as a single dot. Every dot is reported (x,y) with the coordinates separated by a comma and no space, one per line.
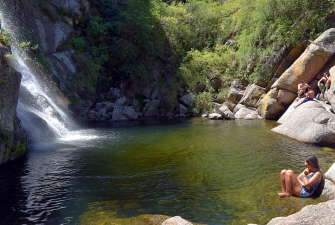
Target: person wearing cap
(304,185)
(309,96)
(302,89)
(324,83)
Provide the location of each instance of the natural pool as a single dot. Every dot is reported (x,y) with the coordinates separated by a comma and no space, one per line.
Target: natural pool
(208,172)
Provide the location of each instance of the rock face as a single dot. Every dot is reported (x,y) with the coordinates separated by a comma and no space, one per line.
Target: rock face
(320,214)
(52,24)
(306,67)
(309,122)
(13,139)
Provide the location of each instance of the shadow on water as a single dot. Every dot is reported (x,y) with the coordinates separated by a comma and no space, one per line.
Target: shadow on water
(208,172)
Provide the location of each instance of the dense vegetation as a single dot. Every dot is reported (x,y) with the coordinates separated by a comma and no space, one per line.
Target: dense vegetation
(191,36)
(193,41)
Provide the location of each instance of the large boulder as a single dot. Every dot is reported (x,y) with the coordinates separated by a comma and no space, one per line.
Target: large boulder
(151,107)
(330,174)
(243,112)
(187,99)
(310,122)
(330,94)
(223,110)
(320,214)
(306,67)
(252,95)
(235,92)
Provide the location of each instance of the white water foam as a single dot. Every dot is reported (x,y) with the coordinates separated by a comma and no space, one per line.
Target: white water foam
(42,111)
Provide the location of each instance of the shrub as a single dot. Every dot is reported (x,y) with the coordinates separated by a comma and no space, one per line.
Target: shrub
(203,103)
(78,43)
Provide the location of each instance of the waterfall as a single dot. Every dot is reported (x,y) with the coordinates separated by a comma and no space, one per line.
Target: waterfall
(42,108)
(41,115)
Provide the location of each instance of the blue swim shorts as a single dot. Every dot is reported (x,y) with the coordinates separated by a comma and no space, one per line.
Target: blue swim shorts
(307,99)
(304,193)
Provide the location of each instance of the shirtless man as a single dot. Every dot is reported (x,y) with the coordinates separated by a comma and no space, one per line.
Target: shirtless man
(324,83)
(309,96)
(302,89)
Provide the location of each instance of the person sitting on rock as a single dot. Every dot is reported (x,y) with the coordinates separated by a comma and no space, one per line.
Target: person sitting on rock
(324,83)
(302,89)
(306,183)
(309,96)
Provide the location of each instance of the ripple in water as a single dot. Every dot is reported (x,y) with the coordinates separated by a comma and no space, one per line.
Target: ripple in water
(210,172)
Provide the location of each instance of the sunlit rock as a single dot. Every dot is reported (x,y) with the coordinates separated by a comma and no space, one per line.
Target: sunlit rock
(310,122)
(305,67)
(320,214)
(223,110)
(176,220)
(251,95)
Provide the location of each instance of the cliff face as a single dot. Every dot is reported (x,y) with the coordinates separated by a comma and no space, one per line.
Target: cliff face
(52,25)
(13,139)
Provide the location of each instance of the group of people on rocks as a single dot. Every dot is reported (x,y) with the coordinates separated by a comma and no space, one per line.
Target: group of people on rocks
(306,92)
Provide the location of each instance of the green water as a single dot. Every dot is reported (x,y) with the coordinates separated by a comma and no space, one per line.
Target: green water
(208,172)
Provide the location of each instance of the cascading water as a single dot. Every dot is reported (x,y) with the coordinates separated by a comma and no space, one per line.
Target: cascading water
(41,107)
(40,115)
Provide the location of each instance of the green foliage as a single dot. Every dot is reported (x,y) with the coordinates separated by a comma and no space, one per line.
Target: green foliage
(5,138)
(78,44)
(87,74)
(203,103)
(73,99)
(64,11)
(127,39)
(98,35)
(4,38)
(202,66)
(19,149)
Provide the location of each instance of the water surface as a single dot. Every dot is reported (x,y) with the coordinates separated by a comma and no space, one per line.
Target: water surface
(208,172)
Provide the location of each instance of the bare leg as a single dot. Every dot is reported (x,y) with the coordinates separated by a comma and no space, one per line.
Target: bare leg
(291,184)
(282,181)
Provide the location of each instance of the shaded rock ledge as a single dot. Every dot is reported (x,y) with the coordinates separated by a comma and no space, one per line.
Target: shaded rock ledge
(13,139)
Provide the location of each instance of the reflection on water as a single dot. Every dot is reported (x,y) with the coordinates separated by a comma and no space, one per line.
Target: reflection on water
(208,172)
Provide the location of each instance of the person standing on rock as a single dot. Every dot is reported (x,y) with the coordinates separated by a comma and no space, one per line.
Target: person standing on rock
(309,96)
(324,83)
(306,183)
(302,89)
